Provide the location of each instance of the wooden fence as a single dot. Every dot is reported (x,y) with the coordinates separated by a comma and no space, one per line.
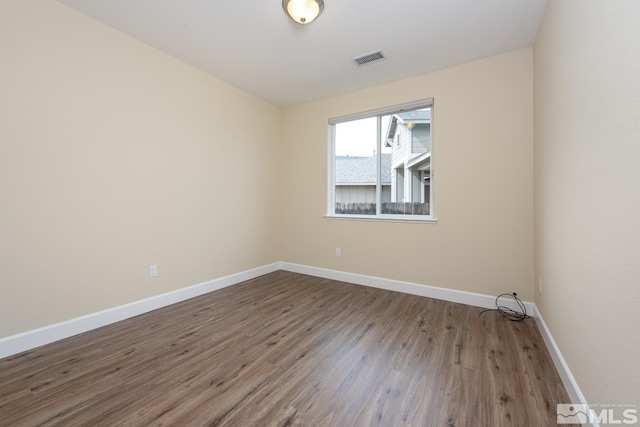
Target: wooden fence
(387,208)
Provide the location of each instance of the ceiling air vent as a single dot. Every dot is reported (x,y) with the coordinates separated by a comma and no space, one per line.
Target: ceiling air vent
(369,58)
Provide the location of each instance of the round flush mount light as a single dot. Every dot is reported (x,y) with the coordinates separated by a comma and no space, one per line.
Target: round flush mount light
(303,11)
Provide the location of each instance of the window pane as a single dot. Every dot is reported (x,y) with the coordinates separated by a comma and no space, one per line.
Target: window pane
(356,167)
(408,136)
(382,164)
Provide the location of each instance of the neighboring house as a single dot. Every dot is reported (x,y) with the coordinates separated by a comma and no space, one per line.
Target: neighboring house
(356,179)
(409,137)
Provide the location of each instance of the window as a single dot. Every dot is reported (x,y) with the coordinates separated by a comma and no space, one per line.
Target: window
(381,163)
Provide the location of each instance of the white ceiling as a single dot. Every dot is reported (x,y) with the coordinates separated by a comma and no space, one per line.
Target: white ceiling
(254,46)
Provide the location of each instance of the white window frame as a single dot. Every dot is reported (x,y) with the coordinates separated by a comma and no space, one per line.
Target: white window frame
(423,103)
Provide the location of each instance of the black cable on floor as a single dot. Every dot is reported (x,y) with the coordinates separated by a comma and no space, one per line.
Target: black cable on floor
(508,312)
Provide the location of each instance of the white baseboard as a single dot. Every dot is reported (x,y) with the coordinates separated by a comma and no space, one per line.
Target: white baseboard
(478,300)
(48,334)
(453,295)
(38,337)
(569,382)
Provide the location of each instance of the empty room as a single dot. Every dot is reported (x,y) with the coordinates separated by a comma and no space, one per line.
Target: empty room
(319,213)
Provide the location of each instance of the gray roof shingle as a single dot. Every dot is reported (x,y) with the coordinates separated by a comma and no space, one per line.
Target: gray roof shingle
(415,115)
(362,170)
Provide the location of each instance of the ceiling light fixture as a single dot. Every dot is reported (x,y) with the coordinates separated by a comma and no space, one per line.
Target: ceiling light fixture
(303,11)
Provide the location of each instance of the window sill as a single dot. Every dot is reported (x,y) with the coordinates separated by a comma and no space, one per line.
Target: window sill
(382,218)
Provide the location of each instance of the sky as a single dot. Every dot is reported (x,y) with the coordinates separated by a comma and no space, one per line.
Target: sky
(358,137)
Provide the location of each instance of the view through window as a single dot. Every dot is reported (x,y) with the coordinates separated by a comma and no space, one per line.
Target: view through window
(382,163)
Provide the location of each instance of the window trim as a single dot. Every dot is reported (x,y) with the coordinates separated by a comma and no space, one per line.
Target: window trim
(431,218)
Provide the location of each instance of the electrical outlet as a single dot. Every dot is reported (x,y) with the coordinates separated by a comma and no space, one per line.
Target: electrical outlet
(338,252)
(153,270)
(540,285)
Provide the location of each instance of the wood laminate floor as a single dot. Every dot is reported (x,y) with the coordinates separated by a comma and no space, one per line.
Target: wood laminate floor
(291,350)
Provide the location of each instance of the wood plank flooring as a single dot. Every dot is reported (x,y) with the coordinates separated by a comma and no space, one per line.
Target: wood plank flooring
(291,350)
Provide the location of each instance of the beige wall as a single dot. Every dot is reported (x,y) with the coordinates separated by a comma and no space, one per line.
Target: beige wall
(114,157)
(587,180)
(483,197)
